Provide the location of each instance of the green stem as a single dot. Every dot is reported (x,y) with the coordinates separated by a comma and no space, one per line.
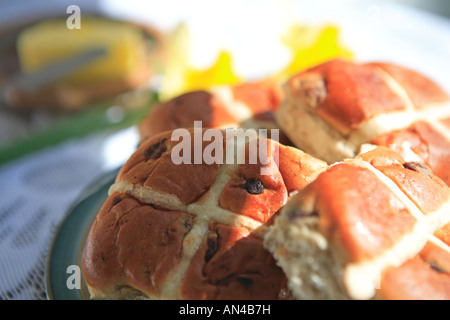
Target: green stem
(90,121)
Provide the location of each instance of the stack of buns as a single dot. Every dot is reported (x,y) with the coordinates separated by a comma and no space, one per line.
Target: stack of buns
(356,205)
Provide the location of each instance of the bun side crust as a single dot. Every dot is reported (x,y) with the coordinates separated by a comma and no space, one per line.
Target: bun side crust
(424,277)
(421,142)
(214,274)
(420,89)
(246,105)
(114,261)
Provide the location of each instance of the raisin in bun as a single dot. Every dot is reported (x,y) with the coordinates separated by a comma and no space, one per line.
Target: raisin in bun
(193,231)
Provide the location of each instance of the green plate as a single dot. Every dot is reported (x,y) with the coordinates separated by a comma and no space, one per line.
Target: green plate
(69,240)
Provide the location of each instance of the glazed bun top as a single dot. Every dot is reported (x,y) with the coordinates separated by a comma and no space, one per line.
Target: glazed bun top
(193,230)
(347,94)
(247,105)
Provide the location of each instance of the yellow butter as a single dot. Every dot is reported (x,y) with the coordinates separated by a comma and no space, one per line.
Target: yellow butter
(50,41)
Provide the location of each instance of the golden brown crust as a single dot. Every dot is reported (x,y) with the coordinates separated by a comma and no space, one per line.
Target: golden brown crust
(356,220)
(421,142)
(443,234)
(415,280)
(261,97)
(298,168)
(357,206)
(446,122)
(216,218)
(344,93)
(232,264)
(415,179)
(386,105)
(258,196)
(379,216)
(113,259)
(248,105)
(347,94)
(421,90)
(183,110)
(425,277)
(152,166)
(332,109)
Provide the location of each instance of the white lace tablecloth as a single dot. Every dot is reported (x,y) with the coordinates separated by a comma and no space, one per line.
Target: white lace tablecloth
(36,193)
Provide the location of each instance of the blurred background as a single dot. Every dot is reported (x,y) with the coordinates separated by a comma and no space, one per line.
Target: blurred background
(70,98)
(49,72)
(440,7)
